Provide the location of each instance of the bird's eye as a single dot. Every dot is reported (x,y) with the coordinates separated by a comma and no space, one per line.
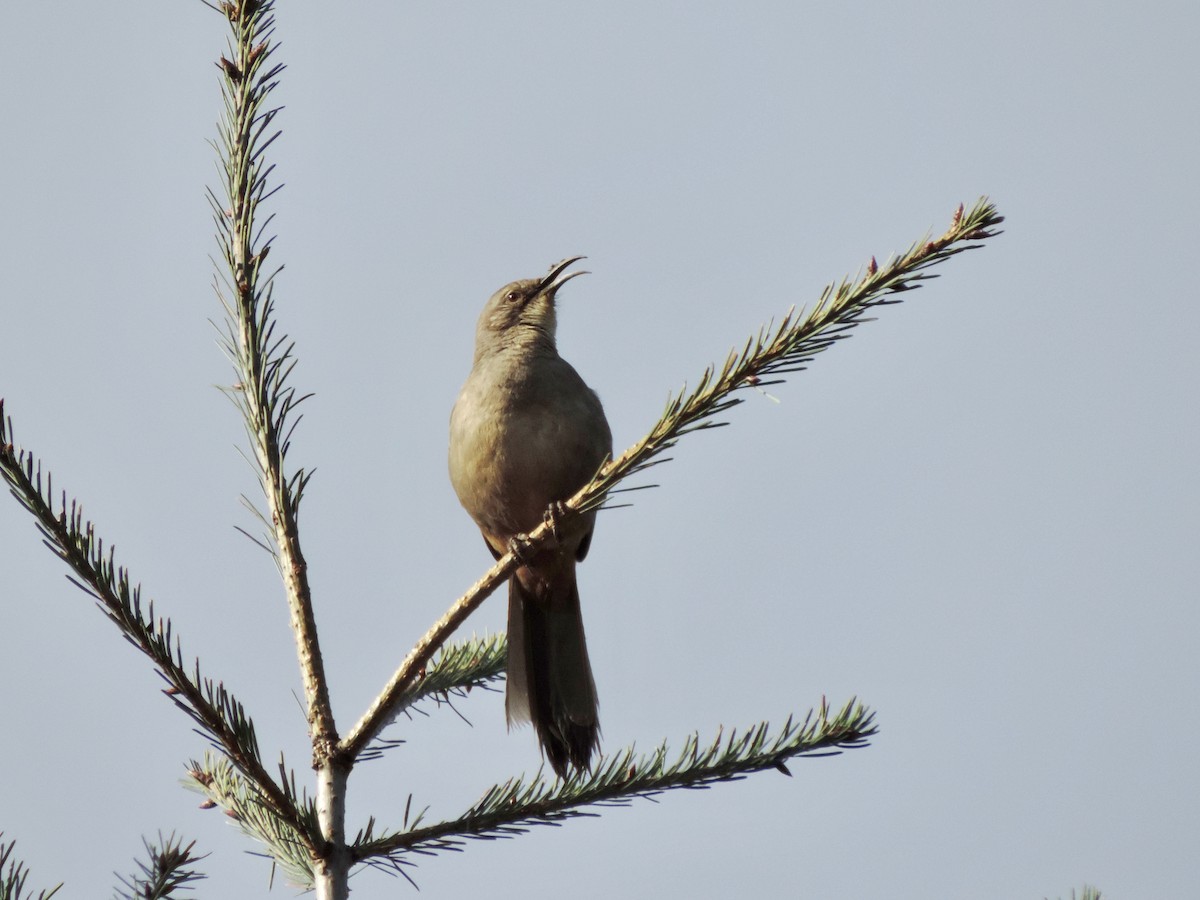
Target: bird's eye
(512,296)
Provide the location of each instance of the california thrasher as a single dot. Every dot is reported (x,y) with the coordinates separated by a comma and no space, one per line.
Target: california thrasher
(525,434)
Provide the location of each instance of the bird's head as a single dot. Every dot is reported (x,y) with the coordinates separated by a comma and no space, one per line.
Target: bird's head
(524,310)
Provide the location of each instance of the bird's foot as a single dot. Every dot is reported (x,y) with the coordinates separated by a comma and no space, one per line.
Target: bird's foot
(520,547)
(554,513)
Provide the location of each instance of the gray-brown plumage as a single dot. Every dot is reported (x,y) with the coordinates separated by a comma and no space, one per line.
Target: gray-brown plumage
(525,433)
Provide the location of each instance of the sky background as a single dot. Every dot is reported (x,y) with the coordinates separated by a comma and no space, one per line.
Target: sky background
(980,515)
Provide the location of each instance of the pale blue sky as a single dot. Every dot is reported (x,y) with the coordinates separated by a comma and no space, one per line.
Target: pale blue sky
(979,515)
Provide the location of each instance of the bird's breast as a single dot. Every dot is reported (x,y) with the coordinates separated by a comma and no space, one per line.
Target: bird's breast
(517,448)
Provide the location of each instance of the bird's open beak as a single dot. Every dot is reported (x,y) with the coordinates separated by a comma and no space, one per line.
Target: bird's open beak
(551,283)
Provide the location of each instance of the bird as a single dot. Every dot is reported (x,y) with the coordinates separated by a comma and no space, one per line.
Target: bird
(526,433)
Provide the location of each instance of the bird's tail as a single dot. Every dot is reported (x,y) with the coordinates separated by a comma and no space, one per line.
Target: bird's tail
(549,677)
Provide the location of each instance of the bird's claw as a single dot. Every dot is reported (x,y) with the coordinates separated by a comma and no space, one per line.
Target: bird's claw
(519,547)
(554,513)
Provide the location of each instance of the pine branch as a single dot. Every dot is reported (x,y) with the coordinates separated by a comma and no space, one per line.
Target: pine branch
(511,808)
(390,701)
(262,358)
(790,346)
(219,716)
(775,351)
(457,670)
(165,873)
(460,667)
(225,787)
(263,361)
(12,882)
